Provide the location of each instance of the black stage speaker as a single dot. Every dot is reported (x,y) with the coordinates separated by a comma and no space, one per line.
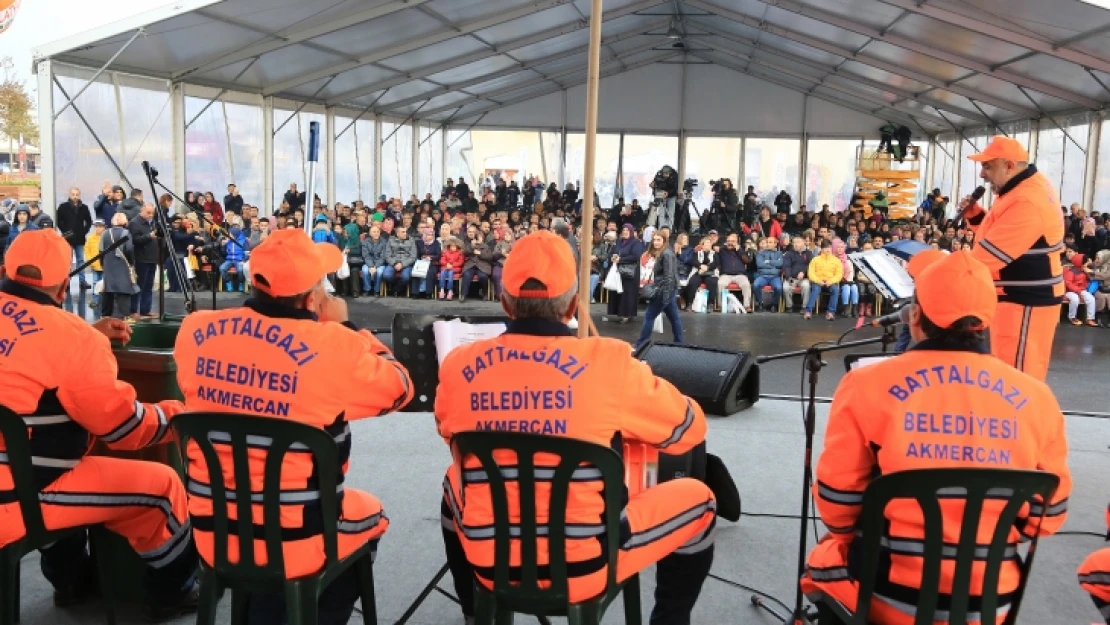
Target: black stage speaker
(721,381)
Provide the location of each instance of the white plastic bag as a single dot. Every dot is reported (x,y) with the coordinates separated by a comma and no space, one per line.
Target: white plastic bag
(733,305)
(419,269)
(613,280)
(657,327)
(701,301)
(344,270)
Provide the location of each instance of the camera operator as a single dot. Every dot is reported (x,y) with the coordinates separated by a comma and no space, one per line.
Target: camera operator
(727,202)
(666,181)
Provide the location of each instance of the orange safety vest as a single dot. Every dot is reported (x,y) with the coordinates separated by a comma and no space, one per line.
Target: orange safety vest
(1020,240)
(931,407)
(539,378)
(59,372)
(274,361)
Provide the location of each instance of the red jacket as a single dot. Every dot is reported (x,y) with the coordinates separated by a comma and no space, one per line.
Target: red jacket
(216,210)
(454,258)
(1075,279)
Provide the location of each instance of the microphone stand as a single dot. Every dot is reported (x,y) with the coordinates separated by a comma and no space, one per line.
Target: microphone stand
(190,298)
(165,248)
(110,248)
(813,363)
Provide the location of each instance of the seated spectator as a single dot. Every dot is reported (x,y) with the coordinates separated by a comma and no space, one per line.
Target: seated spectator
(235,253)
(450,267)
(849,290)
(427,248)
(733,270)
(768,263)
(767,225)
(600,261)
(1076,283)
(795,267)
(825,273)
(705,263)
(1100,275)
(373,260)
(501,251)
(480,256)
(400,256)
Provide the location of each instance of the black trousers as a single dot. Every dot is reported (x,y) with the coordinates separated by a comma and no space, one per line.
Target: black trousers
(67,562)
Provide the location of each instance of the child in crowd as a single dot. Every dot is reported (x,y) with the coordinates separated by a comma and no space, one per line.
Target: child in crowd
(451,262)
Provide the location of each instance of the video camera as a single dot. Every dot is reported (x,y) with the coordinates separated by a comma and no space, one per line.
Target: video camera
(689,184)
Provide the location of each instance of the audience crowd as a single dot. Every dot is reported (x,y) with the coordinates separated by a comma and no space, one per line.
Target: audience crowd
(454,246)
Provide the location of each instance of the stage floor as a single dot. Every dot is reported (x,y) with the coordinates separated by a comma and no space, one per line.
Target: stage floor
(401,460)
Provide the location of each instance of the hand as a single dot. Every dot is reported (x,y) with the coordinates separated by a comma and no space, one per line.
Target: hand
(397,266)
(332,308)
(801,276)
(614,258)
(114,329)
(703,269)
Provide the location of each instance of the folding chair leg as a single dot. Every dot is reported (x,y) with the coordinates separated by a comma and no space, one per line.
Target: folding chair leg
(97,536)
(484,607)
(239,607)
(9,587)
(209,600)
(584,614)
(631,597)
(432,585)
(301,604)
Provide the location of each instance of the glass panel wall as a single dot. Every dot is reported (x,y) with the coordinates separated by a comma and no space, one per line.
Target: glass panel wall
(1102,174)
(291,155)
(429,176)
(711,158)
(223,146)
(944,169)
(1060,159)
(605,166)
(830,173)
(460,156)
(771,165)
(397,161)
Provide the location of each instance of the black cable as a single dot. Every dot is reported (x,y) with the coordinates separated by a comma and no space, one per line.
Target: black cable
(768,515)
(1081,533)
(750,589)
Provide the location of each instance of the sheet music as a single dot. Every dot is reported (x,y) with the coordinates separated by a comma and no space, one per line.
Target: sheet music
(454,333)
(891,272)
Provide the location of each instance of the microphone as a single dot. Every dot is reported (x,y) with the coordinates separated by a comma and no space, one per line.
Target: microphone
(976,195)
(902,315)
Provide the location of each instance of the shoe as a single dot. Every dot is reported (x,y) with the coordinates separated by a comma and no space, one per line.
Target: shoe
(1092,323)
(442,295)
(1075,322)
(165,609)
(830,316)
(807,316)
(462,297)
(860,322)
(450,295)
(81,590)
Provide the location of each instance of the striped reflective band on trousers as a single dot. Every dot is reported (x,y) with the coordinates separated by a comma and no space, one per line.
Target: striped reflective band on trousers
(485,532)
(680,430)
(649,535)
(1097,578)
(540,474)
(180,533)
(41,461)
(302,496)
(134,421)
(942,615)
(829,574)
(1036,508)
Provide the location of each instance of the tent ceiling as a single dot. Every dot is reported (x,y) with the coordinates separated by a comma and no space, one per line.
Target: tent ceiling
(932,63)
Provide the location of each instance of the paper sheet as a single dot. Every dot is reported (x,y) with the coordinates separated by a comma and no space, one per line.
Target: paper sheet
(869,360)
(453,333)
(891,272)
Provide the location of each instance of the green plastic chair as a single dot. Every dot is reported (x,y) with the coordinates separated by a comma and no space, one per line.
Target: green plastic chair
(924,485)
(528,597)
(18,445)
(245,576)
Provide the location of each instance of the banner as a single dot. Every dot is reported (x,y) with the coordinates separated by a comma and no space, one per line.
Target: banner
(8,9)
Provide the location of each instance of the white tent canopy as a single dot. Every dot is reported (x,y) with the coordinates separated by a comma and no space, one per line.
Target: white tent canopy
(719,67)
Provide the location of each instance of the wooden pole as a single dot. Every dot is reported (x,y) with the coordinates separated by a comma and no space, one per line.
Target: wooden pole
(586,241)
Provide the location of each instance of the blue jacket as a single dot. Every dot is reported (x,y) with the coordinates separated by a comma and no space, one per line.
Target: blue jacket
(768,263)
(323,236)
(733,262)
(234,253)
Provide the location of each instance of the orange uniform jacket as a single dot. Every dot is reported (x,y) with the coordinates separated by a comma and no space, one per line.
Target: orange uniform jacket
(274,361)
(60,372)
(1020,240)
(539,378)
(929,408)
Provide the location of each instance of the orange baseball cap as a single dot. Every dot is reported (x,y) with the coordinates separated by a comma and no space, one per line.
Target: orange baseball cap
(542,256)
(44,250)
(291,264)
(955,286)
(1002,147)
(923,259)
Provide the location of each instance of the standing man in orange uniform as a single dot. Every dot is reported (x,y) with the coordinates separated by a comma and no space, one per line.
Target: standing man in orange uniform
(1020,240)
(540,378)
(59,374)
(290,352)
(945,403)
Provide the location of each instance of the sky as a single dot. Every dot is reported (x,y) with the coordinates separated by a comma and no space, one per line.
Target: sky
(41,21)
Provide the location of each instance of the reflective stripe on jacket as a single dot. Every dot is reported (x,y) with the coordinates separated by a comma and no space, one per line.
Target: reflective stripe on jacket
(1020,239)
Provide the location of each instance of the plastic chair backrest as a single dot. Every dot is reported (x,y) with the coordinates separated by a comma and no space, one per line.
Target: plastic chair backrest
(572,454)
(974,486)
(278,436)
(17,444)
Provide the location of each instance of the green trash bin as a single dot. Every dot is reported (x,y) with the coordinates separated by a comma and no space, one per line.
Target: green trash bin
(147,364)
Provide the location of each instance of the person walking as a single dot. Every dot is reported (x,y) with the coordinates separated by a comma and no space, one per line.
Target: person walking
(664,295)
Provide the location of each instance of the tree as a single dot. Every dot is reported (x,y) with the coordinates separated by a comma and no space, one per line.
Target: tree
(15,109)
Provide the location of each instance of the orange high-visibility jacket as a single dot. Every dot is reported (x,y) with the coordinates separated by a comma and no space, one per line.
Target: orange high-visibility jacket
(274,361)
(59,372)
(1020,239)
(932,408)
(539,378)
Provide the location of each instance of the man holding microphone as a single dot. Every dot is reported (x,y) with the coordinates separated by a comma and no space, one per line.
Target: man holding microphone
(1020,241)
